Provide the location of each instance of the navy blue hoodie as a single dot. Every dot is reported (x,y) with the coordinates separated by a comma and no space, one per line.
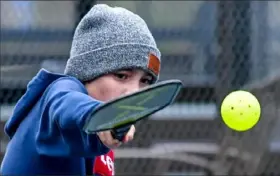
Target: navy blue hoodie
(45,130)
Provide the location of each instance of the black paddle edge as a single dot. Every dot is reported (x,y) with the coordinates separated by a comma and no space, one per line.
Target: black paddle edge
(163,83)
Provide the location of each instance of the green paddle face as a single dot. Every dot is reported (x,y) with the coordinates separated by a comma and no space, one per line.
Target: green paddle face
(134,107)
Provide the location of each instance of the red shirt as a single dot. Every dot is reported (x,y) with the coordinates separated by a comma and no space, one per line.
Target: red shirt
(104,164)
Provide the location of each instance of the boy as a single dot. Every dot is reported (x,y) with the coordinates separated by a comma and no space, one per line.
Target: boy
(113,53)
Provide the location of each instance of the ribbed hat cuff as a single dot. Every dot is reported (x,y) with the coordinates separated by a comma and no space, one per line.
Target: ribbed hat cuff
(90,65)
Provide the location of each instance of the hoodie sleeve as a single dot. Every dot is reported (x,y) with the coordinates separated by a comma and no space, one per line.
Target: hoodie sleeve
(66,106)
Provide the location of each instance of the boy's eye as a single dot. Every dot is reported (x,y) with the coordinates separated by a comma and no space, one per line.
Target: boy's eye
(120,75)
(146,81)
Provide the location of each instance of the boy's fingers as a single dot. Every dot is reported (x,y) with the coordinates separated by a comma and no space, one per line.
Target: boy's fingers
(131,131)
(107,139)
(130,134)
(101,136)
(110,140)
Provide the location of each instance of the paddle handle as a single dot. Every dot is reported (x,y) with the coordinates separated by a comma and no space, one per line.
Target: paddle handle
(119,133)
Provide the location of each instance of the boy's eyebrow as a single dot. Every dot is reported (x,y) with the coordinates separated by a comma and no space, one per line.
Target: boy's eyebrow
(126,69)
(130,70)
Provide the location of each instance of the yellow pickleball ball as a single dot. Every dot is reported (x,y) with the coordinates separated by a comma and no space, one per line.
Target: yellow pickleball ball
(240,110)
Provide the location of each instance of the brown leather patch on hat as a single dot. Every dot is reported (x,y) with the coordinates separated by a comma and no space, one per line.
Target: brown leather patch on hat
(154,64)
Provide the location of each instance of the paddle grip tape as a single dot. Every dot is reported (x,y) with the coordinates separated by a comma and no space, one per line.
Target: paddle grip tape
(119,133)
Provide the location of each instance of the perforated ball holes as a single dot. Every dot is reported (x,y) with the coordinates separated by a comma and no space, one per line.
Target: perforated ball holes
(249,106)
(233,109)
(241,113)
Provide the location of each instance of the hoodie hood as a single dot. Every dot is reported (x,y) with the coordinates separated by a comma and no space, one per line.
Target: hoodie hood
(35,88)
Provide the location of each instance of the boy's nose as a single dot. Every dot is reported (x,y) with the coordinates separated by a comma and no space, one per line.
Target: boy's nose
(132,88)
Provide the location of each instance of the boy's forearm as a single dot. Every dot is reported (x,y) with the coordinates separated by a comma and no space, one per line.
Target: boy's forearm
(71,109)
(67,111)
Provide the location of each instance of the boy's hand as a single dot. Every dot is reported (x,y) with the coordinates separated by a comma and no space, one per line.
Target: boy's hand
(108,140)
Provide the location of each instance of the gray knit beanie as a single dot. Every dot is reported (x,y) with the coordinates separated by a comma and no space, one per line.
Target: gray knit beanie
(109,39)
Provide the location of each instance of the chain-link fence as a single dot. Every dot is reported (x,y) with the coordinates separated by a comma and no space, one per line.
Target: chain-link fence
(213,47)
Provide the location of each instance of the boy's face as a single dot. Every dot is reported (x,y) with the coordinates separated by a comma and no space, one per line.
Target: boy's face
(116,84)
